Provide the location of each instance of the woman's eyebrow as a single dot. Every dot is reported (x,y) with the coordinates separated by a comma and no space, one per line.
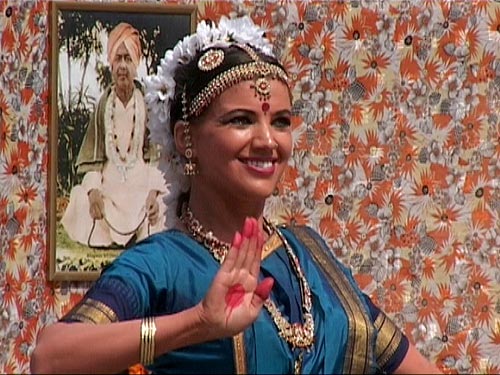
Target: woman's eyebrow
(283,112)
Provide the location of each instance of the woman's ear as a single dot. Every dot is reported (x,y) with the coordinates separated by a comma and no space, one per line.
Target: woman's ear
(179,138)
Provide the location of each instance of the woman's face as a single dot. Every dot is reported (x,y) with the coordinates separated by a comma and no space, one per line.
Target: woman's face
(242,150)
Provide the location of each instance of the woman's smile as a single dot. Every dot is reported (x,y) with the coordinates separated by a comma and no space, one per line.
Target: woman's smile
(260,166)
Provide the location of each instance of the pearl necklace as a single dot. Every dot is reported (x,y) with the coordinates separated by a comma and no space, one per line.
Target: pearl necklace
(297,335)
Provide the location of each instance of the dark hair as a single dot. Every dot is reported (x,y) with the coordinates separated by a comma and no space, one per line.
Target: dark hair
(191,77)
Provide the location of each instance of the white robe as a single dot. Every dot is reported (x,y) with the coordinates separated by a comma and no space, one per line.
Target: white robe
(125,181)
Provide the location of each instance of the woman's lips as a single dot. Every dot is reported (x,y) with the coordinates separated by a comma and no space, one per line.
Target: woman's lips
(260,166)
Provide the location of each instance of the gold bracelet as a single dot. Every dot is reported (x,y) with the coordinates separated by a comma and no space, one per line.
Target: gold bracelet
(148,331)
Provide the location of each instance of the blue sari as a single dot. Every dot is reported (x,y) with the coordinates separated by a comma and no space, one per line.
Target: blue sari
(170,272)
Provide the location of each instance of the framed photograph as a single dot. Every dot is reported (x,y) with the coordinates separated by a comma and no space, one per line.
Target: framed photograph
(104,188)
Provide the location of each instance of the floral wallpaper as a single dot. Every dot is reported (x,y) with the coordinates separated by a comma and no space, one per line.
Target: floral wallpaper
(397,162)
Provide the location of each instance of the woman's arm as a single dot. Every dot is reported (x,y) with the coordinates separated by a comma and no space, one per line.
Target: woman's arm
(233,302)
(110,348)
(416,363)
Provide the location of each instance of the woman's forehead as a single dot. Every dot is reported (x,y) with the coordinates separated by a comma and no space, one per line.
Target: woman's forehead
(242,95)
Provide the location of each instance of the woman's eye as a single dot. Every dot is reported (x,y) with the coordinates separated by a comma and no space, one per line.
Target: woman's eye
(239,120)
(282,122)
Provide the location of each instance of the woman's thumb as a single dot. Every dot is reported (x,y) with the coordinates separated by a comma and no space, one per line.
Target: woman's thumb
(264,288)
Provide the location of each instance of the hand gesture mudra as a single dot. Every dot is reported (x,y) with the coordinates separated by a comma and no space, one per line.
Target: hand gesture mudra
(236,297)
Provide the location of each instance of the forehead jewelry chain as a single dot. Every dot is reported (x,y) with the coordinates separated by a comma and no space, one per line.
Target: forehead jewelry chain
(262,84)
(300,336)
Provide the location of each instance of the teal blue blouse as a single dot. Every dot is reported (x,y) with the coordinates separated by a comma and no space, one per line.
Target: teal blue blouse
(170,272)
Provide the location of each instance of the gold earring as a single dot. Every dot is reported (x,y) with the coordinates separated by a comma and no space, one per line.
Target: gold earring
(190,168)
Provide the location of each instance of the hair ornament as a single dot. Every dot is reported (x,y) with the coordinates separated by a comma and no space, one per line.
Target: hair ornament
(211,60)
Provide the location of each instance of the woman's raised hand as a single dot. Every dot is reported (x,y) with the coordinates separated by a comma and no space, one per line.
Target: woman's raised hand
(235,297)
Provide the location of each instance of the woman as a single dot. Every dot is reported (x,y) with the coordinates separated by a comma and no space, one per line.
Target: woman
(224,290)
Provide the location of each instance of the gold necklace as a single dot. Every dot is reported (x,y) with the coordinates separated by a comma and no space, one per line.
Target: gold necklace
(297,335)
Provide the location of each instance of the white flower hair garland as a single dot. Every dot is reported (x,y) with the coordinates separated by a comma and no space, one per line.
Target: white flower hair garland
(160,91)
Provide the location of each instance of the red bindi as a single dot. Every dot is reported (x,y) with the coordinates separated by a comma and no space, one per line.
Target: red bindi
(265,107)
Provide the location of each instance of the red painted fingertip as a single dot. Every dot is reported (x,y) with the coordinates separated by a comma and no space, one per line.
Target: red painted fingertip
(237,240)
(248,228)
(264,288)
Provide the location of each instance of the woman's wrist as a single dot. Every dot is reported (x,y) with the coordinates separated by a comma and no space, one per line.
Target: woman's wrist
(188,327)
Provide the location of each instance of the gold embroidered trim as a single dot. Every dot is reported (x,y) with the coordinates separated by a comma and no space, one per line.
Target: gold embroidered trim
(92,311)
(358,351)
(388,339)
(240,362)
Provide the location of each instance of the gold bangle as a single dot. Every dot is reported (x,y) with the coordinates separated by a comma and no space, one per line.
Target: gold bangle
(148,331)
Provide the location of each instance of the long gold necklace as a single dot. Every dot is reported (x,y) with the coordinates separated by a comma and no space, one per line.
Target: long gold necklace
(297,335)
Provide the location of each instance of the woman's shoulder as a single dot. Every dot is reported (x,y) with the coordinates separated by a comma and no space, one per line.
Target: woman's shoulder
(161,247)
(314,244)
(171,237)
(301,232)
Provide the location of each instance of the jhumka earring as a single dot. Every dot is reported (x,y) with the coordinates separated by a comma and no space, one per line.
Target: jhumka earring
(190,168)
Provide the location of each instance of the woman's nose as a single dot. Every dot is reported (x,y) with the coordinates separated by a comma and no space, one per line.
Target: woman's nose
(264,136)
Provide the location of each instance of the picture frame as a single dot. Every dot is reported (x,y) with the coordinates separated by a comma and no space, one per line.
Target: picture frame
(79,73)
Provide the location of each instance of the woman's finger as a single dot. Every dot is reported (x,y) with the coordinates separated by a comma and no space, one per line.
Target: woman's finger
(232,254)
(247,232)
(255,265)
(253,248)
(264,288)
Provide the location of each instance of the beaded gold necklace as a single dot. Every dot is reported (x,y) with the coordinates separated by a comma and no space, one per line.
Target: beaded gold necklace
(298,335)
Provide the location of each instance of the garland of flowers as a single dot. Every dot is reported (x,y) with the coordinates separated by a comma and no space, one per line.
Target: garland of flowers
(135,143)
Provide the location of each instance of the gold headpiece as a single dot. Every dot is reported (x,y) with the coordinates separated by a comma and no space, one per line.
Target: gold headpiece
(257,70)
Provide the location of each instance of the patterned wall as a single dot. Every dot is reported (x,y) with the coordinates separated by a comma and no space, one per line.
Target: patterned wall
(397,163)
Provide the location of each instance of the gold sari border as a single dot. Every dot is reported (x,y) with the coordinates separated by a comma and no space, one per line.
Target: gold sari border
(358,352)
(92,311)
(388,339)
(240,363)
